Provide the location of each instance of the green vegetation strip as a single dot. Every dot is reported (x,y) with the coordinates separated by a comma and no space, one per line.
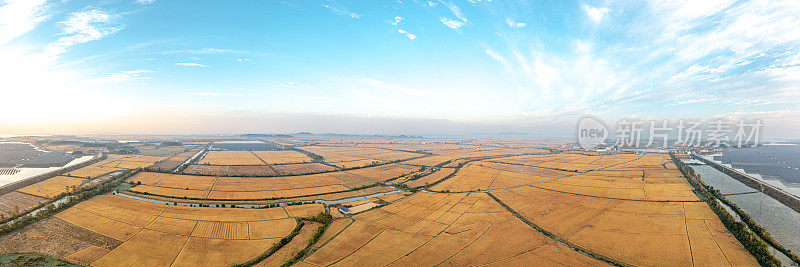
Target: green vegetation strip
(322,218)
(754,243)
(30,259)
(74,198)
(277,246)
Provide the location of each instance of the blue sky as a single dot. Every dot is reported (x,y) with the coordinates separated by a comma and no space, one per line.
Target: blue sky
(186,66)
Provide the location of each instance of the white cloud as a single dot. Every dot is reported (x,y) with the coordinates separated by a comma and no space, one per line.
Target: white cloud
(454,24)
(122,76)
(494,55)
(340,9)
(245,60)
(145,2)
(431,4)
(595,13)
(397,20)
(511,23)
(18,17)
(192,64)
(455,10)
(82,27)
(407,34)
(296,85)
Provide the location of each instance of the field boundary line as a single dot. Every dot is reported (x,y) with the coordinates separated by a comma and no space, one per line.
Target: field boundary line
(531,184)
(530,250)
(359,248)
(493,179)
(549,234)
(265,163)
(46,198)
(613,198)
(715,242)
(182,247)
(212,187)
(334,236)
(689,238)
(465,247)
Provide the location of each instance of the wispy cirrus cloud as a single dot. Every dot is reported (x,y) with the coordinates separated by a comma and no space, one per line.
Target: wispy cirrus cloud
(81,27)
(457,23)
(340,9)
(453,24)
(192,64)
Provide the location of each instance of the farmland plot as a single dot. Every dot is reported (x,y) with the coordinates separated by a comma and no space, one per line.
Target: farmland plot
(155,234)
(428,229)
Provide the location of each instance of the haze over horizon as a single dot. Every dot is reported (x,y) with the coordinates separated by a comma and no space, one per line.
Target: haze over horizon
(394,67)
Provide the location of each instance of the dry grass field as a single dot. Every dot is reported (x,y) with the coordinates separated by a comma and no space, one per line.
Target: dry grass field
(234,170)
(53,186)
(159,235)
(15,202)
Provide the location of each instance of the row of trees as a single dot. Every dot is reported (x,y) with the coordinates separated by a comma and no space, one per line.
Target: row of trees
(752,242)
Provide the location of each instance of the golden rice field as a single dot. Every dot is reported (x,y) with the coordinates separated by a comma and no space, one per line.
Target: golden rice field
(498,207)
(384,172)
(350,157)
(114,163)
(53,186)
(428,229)
(231,158)
(282,157)
(161,235)
(663,225)
(630,231)
(213,187)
